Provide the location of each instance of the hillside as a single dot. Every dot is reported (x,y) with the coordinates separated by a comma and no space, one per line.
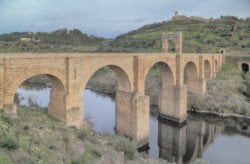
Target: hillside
(199,35)
(61,40)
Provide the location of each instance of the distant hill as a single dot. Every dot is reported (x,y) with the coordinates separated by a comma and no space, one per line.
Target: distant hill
(199,35)
(57,41)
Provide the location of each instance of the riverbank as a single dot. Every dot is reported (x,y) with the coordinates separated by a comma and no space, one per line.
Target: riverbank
(35,137)
(227,95)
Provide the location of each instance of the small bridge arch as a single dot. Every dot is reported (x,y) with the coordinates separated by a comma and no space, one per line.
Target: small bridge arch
(245,67)
(207,70)
(191,77)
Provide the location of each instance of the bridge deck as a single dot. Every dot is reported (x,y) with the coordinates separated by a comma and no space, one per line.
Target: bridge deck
(39,55)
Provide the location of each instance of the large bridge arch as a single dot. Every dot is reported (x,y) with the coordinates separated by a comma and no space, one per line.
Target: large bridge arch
(122,97)
(57,98)
(123,70)
(122,77)
(167,83)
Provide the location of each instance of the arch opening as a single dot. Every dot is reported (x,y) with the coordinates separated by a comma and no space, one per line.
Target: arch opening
(216,65)
(207,70)
(191,77)
(171,46)
(107,110)
(245,67)
(42,91)
(159,86)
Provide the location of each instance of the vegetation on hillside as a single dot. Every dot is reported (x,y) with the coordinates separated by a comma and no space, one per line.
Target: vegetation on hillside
(227,93)
(57,41)
(198,36)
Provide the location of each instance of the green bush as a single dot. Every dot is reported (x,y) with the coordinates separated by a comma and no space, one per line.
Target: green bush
(9,142)
(82,134)
(128,147)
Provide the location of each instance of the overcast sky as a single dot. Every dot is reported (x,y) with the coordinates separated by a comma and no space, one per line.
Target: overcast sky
(107,18)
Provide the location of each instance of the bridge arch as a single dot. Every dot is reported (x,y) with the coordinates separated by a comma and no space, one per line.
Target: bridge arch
(191,77)
(56,106)
(121,75)
(122,97)
(245,67)
(207,70)
(166,87)
(216,65)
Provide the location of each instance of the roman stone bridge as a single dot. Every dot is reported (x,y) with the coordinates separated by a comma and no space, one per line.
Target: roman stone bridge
(69,74)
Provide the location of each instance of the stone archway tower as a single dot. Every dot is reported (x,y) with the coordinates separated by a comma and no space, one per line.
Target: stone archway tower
(174,36)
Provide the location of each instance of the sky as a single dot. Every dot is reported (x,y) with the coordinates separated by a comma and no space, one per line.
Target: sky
(107,18)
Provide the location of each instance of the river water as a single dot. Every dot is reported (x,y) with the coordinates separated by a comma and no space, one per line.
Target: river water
(217,143)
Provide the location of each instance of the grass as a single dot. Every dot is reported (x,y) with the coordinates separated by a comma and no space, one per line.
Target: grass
(4,158)
(35,137)
(128,147)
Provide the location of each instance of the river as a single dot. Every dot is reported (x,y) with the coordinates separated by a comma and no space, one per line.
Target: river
(217,143)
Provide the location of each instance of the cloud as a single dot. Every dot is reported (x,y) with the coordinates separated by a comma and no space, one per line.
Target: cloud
(107,18)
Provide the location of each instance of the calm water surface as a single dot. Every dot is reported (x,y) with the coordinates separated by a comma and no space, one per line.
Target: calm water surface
(219,144)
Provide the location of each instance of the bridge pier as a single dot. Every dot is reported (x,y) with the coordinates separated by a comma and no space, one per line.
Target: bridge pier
(132,116)
(73,110)
(140,118)
(56,107)
(202,87)
(122,112)
(173,105)
(10,110)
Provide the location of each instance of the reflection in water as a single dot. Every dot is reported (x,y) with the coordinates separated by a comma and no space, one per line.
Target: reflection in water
(199,139)
(217,143)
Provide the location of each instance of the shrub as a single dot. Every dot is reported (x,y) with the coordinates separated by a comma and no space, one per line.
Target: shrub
(9,142)
(26,127)
(82,134)
(128,147)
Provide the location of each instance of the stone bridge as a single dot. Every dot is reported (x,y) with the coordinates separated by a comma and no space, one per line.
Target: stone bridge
(69,74)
